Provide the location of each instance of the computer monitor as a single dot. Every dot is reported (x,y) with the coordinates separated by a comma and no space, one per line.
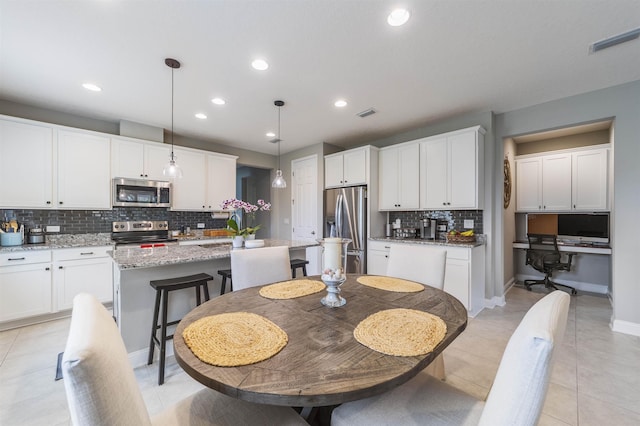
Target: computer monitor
(584,227)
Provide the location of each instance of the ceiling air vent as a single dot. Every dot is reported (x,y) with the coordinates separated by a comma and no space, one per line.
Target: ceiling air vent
(615,40)
(366,112)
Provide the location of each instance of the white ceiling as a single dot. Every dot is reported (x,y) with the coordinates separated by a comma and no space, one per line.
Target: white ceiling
(452,57)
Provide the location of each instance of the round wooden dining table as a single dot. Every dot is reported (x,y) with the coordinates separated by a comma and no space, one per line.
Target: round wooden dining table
(322,363)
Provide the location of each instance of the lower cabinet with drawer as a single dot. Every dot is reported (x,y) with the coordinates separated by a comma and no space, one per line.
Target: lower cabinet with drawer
(84,269)
(464,272)
(25,284)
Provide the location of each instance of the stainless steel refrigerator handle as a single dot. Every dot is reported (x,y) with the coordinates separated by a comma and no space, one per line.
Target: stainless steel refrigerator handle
(351,219)
(338,215)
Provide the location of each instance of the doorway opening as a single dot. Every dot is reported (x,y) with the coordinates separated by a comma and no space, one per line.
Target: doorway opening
(253,184)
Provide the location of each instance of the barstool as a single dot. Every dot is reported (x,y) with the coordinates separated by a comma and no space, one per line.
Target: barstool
(295,264)
(298,263)
(226,273)
(163,287)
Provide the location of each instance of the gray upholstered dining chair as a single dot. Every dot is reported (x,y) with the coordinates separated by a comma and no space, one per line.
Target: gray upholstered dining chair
(516,397)
(102,390)
(425,265)
(259,266)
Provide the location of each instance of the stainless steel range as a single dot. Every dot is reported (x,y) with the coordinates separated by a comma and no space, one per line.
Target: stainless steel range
(140,233)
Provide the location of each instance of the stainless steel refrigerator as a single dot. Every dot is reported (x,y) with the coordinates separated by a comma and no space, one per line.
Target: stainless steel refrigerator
(345,210)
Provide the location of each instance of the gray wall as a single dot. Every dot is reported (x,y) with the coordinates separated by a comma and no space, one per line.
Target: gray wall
(623,104)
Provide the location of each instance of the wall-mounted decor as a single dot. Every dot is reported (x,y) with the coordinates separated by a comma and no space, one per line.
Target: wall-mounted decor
(507,183)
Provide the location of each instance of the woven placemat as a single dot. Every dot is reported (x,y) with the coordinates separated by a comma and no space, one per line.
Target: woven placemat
(401,332)
(234,339)
(391,284)
(291,289)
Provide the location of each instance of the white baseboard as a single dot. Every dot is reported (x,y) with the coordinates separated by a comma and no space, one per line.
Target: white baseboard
(578,285)
(626,327)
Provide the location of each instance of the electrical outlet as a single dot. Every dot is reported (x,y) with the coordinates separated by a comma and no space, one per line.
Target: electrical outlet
(200,225)
(52,228)
(468,223)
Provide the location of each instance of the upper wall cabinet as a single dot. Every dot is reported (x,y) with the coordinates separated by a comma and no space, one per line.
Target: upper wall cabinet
(221,180)
(58,169)
(398,177)
(84,177)
(451,170)
(208,179)
(138,159)
(565,181)
(27,167)
(347,168)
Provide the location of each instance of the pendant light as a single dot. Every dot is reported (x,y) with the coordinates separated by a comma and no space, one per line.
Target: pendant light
(279,181)
(172,170)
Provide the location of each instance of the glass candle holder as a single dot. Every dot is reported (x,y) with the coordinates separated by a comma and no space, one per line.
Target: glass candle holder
(334,269)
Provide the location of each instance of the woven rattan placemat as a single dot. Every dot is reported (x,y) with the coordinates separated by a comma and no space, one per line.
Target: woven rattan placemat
(401,332)
(291,289)
(390,284)
(234,339)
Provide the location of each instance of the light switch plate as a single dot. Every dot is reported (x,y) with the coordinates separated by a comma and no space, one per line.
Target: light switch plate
(200,225)
(468,223)
(52,228)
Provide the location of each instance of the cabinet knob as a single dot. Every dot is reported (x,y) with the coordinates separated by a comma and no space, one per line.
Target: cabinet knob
(444,204)
(346,181)
(574,206)
(141,175)
(203,207)
(544,207)
(46,269)
(59,202)
(59,267)
(146,175)
(448,204)
(48,202)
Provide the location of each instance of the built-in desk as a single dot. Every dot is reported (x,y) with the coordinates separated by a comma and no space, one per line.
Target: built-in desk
(590,268)
(575,248)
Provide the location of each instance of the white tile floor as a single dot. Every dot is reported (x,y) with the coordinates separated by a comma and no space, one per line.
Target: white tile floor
(595,381)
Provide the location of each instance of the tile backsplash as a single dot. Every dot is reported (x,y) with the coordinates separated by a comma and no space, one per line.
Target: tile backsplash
(454,218)
(97,221)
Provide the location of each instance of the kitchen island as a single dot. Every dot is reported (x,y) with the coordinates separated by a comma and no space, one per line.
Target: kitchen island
(134,298)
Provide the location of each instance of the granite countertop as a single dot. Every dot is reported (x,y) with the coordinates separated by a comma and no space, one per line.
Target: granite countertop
(131,258)
(64,241)
(480,241)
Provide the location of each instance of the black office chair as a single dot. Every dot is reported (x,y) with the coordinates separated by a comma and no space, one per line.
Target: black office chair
(543,255)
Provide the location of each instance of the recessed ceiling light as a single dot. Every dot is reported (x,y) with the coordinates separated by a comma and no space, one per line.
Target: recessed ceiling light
(270,134)
(398,17)
(260,64)
(201,116)
(340,103)
(92,87)
(218,101)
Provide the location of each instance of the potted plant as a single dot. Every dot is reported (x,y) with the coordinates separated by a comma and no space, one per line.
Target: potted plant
(234,226)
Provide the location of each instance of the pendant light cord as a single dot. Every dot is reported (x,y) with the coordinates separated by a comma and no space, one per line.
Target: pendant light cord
(172,70)
(279,137)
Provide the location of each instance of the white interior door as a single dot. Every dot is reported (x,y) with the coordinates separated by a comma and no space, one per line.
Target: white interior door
(304,207)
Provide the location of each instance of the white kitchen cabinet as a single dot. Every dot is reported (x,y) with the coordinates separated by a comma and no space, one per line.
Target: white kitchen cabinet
(377,257)
(464,276)
(138,159)
(84,171)
(26,168)
(464,271)
(399,177)
(566,181)
(589,180)
(189,192)
(347,168)
(25,284)
(451,172)
(82,269)
(221,180)
(529,184)
(556,182)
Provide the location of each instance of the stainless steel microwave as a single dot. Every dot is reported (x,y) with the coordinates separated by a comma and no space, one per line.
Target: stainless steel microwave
(141,193)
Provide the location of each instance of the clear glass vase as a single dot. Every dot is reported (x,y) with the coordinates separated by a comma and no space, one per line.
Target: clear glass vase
(334,269)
